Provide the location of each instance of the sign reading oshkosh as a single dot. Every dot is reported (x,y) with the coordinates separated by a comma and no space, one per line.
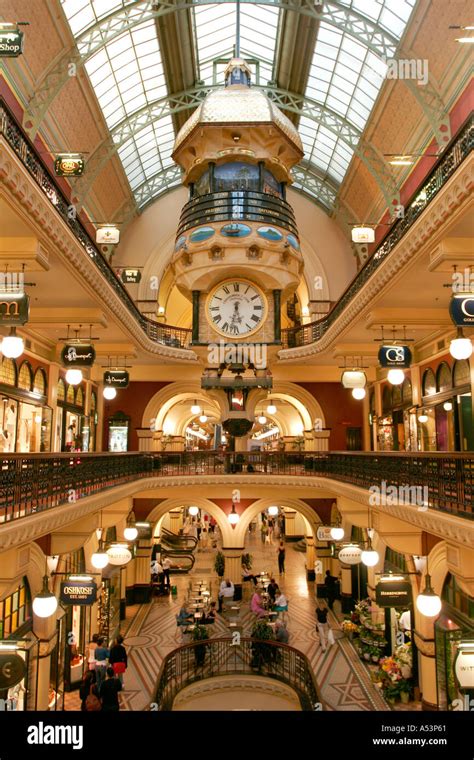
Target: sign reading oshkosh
(14,308)
(78,355)
(78,592)
(395,356)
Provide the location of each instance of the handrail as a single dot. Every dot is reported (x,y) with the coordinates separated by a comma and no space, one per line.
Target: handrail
(461,146)
(177,337)
(30,483)
(211,658)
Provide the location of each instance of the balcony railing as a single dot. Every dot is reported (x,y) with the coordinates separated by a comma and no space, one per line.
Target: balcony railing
(237,206)
(31,483)
(460,148)
(220,657)
(177,337)
(440,174)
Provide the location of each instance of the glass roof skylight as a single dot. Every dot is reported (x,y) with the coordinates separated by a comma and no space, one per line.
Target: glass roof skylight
(127,75)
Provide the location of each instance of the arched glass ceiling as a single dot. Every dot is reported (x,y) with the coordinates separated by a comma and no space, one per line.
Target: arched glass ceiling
(127,74)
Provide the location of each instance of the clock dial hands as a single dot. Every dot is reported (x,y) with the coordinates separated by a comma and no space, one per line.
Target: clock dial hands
(236,308)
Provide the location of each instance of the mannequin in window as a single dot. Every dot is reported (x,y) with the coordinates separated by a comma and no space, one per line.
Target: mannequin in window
(9,429)
(70,436)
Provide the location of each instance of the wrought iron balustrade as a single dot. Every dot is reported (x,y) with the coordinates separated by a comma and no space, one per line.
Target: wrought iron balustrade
(30,483)
(211,658)
(444,169)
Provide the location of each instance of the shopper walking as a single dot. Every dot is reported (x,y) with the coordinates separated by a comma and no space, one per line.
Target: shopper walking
(109,692)
(281,557)
(88,688)
(90,652)
(101,656)
(330,582)
(271,526)
(322,624)
(166,571)
(118,658)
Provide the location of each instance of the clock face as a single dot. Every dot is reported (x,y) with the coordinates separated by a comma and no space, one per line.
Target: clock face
(236,308)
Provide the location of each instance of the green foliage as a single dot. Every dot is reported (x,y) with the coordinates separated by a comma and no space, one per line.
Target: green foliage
(262,631)
(247,560)
(219,564)
(200,633)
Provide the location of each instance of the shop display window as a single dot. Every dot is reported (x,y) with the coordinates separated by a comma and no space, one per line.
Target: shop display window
(25,377)
(15,610)
(119,426)
(39,382)
(8,372)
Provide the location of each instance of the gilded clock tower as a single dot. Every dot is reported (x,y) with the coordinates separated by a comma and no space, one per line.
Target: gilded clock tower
(237,253)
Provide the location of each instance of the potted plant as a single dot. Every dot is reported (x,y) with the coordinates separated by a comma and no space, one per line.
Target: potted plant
(375,653)
(200,634)
(219,564)
(405,690)
(247,560)
(391,691)
(349,628)
(261,653)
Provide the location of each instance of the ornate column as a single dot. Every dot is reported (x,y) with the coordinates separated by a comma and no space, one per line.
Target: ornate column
(310,558)
(277,315)
(46,631)
(233,568)
(145,439)
(53,377)
(290,523)
(321,440)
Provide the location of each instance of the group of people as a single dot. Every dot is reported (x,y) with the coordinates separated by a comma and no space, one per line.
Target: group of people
(160,573)
(103,680)
(277,600)
(201,529)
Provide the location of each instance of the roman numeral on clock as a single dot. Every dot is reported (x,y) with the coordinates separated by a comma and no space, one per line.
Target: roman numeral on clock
(255,318)
(225,326)
(258,307)
(236,287)
(217,318)
(214,308)
(225,289)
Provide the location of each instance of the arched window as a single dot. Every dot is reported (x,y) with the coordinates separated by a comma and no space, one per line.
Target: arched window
(386,399)
(61,390)
(15,610)
(456,597)
(443,378)
(93,402)
(70,395)
(407,394)
(396,395)
(39,382)
(79,397)
(461,373)
(25,377)
(8,372)
(429,383)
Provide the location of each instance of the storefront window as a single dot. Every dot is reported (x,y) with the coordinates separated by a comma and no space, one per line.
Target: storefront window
(118,432)
(429,383)
(443,375)
(15,610)
(8,372)
(61,390)
(39,382)
(25,377)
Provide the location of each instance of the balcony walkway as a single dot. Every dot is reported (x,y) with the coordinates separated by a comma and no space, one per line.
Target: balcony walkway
(151,634)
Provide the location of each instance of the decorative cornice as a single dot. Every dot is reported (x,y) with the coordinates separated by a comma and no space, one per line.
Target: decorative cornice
(456,192)
(450,528)
(41,213)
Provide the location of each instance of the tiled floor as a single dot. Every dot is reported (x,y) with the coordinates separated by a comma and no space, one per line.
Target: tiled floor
(150,633)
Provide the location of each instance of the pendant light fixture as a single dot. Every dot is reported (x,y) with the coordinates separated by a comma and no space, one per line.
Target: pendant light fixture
(428,602)
(74,376)
(45,603)
(359,393)
(195,409)
(271,409)
(369,556)
(423,417)
(261,419)
(337,533)
(109,392)
(193,511)
(233,517)
(100,559)
(272,511)
(460,347)
(12,345)
(203,418)
(131,531)
(395,376)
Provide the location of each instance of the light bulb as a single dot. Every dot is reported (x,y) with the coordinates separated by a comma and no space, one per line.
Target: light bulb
(45,604)
(193,511)
(370,557)
(447,406)
(130,533)
(396,376)
(74,376)
(261,419)
(233,518)
(99,560)
(359,393)
(195,409)
(271,409)
(423,417)
(110,392)
(459,348)
(12,346)
(428,602)
(203,418)
(272,511)
(337,533)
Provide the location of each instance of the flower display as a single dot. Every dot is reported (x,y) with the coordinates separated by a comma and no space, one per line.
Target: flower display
(348,626)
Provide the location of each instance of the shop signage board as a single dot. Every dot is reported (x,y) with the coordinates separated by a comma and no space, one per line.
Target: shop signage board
(350,555)
(461,309)
(119,555)
(464,666)
(144,530)
(131,276)
(116,378)
(78,592)
(12,669)
(78,355)
(107,235)
(69,165)
(14,308)
(324,533)
(395,356)
(393,593)
(11,43)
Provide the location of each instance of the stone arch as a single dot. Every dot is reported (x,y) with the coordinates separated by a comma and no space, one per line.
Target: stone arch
(260,505)
(306,404)
(161,403)
(208,506)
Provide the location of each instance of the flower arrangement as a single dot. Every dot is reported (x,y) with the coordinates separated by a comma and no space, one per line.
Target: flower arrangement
(348,626)
(403,654)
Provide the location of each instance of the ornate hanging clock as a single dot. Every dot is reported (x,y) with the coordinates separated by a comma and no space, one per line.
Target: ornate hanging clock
(236,308)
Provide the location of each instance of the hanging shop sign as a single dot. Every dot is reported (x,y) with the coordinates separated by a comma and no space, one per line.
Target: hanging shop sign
(108,235)
(461,309)
(395,356)
(12,669)
(116,378)
(119,555)
(69,165)
(131,276)
(464,664)
(350,555)
(393,592)
(144,529)
(353,378)
(324,533)
(78,592)
(11,43)
(78,355)
(14,308)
